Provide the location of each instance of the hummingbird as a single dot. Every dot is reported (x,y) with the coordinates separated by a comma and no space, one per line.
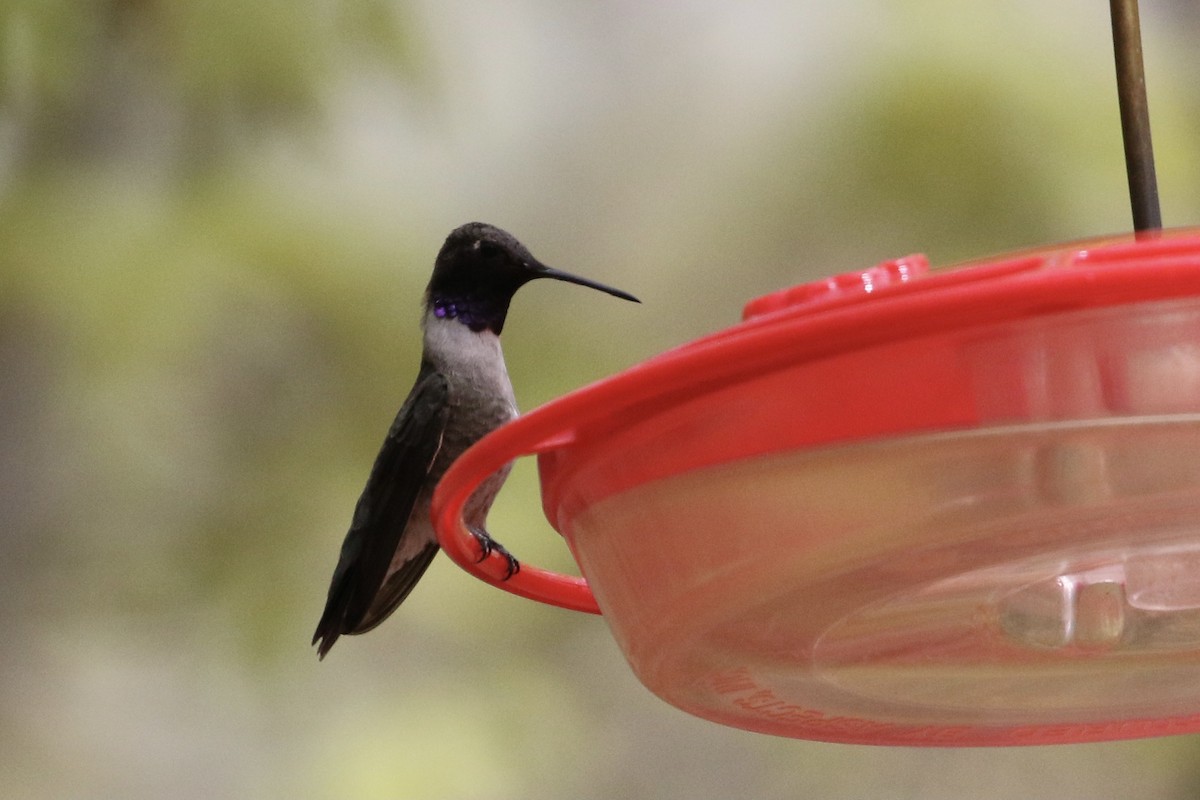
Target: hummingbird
(462,392)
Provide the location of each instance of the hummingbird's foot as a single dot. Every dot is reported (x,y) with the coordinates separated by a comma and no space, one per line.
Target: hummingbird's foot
(489,545)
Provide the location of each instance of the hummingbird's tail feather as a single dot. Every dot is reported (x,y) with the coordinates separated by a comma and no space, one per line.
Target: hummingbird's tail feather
(395,589)
(329,628)
(328,631)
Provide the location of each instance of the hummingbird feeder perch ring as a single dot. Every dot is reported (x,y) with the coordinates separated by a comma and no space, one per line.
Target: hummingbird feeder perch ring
(450,498)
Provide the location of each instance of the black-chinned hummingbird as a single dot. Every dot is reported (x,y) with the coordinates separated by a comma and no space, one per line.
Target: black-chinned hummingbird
(462,392)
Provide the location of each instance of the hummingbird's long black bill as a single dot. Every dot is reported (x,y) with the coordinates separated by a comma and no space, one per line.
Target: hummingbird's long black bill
(542,271)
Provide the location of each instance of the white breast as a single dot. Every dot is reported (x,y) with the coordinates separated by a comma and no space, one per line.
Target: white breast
(472,361)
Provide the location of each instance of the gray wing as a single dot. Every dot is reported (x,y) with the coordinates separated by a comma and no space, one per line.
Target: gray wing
(400,472)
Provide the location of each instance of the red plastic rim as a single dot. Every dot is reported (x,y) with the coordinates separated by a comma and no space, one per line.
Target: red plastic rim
(897,300)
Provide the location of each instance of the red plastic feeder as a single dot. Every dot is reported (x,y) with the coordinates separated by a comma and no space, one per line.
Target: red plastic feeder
(898,506)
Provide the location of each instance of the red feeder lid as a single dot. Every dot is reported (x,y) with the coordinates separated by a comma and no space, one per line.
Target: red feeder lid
(898,506)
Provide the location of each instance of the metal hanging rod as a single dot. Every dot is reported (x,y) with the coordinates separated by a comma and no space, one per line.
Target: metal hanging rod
(1135,115)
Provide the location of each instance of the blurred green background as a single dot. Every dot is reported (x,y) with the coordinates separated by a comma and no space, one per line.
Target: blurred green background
(216,219)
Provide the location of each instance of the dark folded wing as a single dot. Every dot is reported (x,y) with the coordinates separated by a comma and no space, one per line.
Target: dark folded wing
(396,588)
(400,472)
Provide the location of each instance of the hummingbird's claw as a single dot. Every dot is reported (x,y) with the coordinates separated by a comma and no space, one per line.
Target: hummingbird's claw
(488,545)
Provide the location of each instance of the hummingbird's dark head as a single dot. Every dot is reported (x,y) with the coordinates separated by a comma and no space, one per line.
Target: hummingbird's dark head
(480,268)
